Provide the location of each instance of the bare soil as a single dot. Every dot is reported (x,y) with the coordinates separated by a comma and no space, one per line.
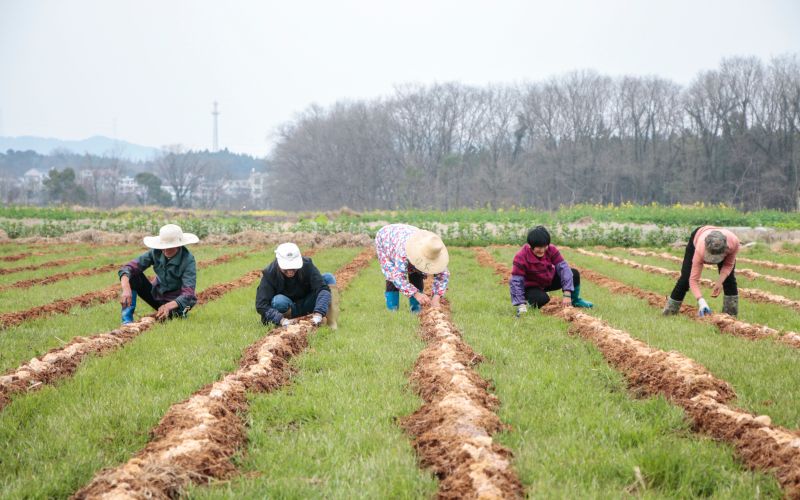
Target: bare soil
(452,431)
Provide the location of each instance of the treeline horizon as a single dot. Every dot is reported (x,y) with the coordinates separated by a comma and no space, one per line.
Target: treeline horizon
(730,136)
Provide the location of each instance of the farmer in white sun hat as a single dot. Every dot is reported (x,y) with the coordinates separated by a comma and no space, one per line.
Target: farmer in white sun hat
(292,286)
(708,245)
(407,255)
(171,292)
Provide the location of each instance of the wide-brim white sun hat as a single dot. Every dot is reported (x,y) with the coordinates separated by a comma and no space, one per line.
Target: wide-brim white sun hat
(426,252)
(170,236)
(288,255)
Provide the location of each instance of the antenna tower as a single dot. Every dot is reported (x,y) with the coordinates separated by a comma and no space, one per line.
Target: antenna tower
(215,114)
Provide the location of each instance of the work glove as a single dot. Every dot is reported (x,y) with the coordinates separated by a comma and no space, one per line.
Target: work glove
(702,307)
(522,309)
(316,319)
(287,322)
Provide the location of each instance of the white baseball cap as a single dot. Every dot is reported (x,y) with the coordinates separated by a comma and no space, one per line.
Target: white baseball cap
(288,256)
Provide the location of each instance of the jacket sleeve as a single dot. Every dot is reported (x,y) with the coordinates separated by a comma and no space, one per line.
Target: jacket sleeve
(565,273)
(516,286)
(187,298)
(440,282)
(264,296)
(694,275)
(320,289)
(137,265)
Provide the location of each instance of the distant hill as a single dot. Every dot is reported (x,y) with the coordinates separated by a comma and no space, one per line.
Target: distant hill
(97,145)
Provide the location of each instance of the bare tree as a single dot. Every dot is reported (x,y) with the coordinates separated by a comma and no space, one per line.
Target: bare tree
(182,171)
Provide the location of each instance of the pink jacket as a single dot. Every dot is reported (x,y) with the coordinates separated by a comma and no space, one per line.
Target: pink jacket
(700,252)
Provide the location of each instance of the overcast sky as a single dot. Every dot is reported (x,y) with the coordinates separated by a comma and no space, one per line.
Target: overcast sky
(149,71)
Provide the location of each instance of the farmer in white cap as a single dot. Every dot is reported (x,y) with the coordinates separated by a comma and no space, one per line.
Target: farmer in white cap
(407,255)
(708,245)
(292,286)
(171,292)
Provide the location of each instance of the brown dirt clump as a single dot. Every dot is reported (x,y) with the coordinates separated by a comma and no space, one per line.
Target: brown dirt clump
(771,265)
(704,397)
(196,439)
(748,293)
(452,431)
(308,240)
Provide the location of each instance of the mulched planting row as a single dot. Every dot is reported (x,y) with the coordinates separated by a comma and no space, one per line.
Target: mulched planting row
(748,293)
(196,438)
(771,265)
(87,299)
(57,263)
(688,384)
(54,278)
(452,432)
(747,273)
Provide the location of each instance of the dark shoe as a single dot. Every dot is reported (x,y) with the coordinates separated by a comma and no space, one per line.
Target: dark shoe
(730,305)
(672,308)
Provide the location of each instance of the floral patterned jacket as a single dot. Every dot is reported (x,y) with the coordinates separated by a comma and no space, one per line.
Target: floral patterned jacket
(390,244)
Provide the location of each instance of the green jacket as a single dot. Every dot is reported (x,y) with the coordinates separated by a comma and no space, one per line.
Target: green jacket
(176,278)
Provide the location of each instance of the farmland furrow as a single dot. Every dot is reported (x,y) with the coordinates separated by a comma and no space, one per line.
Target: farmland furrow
(102,296)
(56,263)
(748,273)
(749,293)
(771,265)
(20,256)
(452,430)
(196,438)
(74,274)
(688,384)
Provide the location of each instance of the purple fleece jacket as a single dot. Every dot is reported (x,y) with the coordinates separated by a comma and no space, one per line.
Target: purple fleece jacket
(530,271)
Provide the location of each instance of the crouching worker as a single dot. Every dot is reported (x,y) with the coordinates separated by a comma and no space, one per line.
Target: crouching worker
(707,245)
(171,292)
(539,268)
(292,286)
(407,254)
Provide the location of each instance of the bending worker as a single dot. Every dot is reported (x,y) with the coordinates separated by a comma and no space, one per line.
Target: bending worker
(292,286)
(171,293)
(708,245)
(407,255)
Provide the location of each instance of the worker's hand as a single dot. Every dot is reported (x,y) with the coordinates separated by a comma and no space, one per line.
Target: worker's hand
(287,321)
(126,297)
(522,309)
(423,299)
(702,307)
(716,288)
(566,301)
(163,311)
(316,319)
(436,301)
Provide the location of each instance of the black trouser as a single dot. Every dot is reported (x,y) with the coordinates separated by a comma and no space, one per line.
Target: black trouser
(416,278)
(682,286)
(144,289)
(537,297)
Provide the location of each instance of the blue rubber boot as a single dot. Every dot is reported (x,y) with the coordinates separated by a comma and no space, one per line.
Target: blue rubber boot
(392,300)
(127,312)
(414,305)
(577,301)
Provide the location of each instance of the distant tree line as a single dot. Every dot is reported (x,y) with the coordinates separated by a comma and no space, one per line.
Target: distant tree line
(732,135)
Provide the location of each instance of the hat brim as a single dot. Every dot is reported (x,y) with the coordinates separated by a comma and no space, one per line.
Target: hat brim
(156,243)
(418,260)
(290,264)
(713,258)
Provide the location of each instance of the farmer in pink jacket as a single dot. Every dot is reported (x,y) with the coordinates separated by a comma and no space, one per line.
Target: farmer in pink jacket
(708,245)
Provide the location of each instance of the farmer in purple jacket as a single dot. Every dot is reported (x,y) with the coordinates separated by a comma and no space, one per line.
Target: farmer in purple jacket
(539,268)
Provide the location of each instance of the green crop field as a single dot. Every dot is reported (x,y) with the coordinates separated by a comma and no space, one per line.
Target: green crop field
(562,412)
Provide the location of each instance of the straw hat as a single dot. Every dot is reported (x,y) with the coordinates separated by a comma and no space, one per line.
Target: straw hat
(288,255)
(170,236)
(426,252)
(716,247)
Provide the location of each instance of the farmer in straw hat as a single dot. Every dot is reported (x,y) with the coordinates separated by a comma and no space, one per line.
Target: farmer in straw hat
(292,286)
(171,292)
(708,245)
(407,254)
